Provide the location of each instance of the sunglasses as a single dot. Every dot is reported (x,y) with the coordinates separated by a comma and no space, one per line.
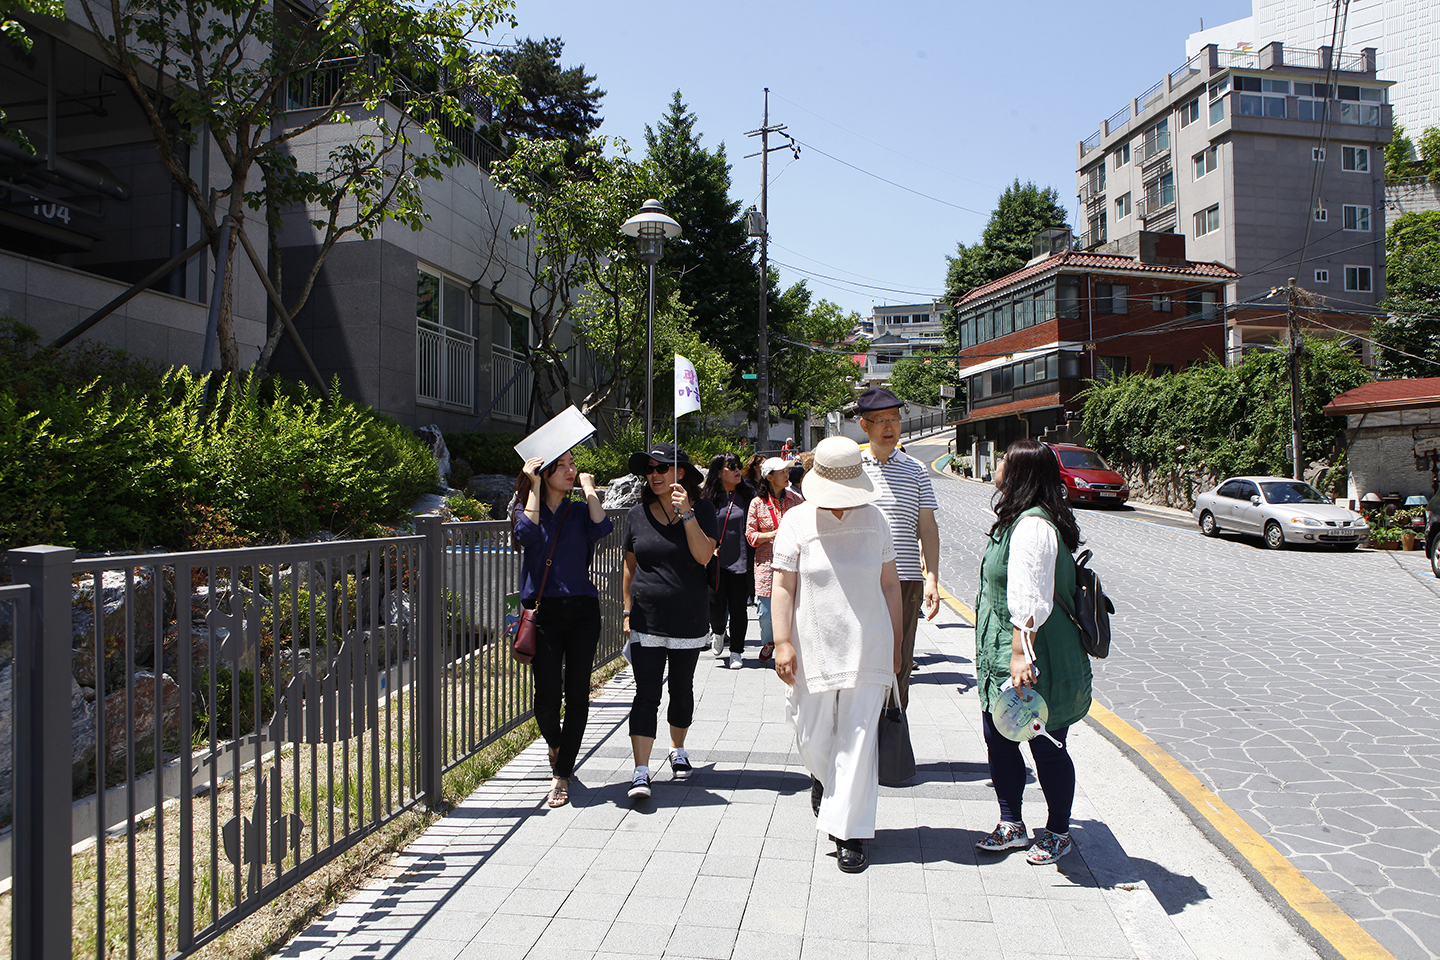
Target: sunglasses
(658,468)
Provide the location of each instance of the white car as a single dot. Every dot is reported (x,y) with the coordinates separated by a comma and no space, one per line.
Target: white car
(1280,511)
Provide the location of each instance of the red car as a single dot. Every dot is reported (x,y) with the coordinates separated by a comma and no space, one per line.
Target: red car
(1088,478)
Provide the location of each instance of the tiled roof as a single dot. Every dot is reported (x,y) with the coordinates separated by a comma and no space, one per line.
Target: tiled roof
(1074,259)
(1387,395)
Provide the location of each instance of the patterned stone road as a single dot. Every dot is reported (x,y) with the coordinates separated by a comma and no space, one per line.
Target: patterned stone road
(1301,686)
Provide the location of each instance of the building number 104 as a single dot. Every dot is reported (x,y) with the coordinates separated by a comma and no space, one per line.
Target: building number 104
(52,211)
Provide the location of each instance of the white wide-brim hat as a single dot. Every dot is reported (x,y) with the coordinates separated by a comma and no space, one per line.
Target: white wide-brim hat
(837,481)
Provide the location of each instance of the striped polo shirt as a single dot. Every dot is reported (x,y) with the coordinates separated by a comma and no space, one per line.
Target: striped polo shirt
(905,490)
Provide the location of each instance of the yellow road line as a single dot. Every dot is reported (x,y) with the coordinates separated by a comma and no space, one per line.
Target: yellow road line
(956,604)
(1348,938)
(1309,901)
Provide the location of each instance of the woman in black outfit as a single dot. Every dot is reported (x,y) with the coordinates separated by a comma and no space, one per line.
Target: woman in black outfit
(555,531)
(730,575)
(669,537)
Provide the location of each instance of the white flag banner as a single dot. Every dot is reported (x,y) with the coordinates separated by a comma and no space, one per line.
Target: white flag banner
(687,387)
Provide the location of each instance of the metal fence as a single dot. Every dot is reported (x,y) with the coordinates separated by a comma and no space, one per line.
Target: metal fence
(243,718)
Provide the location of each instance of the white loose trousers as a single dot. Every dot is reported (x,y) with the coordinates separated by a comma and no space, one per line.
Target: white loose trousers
(838,734)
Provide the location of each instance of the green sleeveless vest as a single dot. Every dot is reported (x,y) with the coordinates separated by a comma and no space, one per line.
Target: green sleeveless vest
(1065,676)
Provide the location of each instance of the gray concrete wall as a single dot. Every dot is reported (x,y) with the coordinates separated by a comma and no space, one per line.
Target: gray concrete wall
(53,298)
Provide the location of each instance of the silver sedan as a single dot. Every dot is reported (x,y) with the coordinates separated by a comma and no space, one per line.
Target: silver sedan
(1280,511)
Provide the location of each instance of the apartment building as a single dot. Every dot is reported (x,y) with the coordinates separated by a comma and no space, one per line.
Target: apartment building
(1407,32)
(428,326)
(898,331)
(1267,161)
(1031,340)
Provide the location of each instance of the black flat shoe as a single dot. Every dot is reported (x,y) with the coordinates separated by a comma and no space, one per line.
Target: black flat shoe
(850,854)
(817,791)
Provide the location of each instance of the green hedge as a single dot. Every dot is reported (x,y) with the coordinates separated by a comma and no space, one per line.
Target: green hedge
(105,452)
(1228,420)
(485,452)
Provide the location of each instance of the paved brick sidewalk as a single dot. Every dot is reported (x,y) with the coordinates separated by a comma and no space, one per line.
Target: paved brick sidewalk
(728,865)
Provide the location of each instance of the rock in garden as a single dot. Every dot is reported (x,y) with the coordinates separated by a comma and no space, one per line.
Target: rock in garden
(82,736)
(496,489)
(143,710)
(623,492)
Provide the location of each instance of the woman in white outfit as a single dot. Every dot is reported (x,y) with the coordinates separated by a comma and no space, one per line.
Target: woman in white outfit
(836,618)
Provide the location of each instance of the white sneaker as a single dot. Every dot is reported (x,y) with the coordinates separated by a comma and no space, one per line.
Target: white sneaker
(680,765)
(736,661)
(717,644)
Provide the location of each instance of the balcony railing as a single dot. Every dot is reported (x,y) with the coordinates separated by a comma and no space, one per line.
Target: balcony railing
(1090,143)
(505,365)
(1155,143)
(444,366)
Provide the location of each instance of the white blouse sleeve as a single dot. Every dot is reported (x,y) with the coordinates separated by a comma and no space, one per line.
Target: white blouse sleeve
(1030,585)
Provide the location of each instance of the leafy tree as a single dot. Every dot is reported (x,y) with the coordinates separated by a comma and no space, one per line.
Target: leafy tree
(1224,420)
(581,271)
(1412,280)
(232,68)
(713,257)
(1430,153)
(1020,213)
(811,364)
(553,102)
(917,378)
(1399,154)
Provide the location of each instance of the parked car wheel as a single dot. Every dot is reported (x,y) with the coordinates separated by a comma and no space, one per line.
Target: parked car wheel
(1208,526)
(1435,557)
(1274,536)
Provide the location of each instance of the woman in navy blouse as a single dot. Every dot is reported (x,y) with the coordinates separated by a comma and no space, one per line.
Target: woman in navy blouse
(567,628)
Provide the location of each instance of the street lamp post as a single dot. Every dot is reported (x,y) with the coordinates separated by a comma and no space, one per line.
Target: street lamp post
(651,227)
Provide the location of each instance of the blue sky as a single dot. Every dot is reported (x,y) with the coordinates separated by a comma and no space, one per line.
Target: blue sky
(953,100)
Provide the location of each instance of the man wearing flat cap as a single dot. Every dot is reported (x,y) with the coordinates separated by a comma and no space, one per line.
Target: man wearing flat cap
(908,501)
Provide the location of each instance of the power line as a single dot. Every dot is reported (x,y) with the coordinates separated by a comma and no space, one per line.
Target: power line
(870,286)
(884,146)
(900,186)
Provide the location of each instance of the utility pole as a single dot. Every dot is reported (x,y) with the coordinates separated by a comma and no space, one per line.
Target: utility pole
(1296,346)
(762,365)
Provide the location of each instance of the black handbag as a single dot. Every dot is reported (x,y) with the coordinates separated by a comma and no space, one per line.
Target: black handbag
(897,756)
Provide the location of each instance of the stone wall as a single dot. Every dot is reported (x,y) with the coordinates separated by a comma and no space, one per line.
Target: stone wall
(1165,487)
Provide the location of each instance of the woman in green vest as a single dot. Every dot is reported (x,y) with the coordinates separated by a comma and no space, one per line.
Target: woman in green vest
(1019,641)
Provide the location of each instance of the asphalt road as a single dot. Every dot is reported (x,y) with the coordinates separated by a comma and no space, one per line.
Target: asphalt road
(1299,685)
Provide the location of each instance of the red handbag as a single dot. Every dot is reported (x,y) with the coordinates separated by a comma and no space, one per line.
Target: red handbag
(523,648)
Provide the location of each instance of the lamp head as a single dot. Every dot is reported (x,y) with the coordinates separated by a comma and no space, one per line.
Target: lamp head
(651,227)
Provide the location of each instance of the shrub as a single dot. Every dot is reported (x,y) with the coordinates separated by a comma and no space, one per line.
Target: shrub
(1227,420)
(610,459)
(101,452)
(485,452)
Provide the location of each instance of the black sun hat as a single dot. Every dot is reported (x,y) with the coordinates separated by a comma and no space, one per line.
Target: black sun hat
(660,453)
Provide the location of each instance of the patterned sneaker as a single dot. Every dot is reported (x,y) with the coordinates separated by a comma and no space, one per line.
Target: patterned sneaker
(640,786)
(1049,847)
(680,764)
(1005,836)
(767,651)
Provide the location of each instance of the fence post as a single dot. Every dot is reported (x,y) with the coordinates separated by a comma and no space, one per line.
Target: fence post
(427,687)
(41,887)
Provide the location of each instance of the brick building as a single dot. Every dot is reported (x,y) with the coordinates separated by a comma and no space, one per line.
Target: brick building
(1030,340)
